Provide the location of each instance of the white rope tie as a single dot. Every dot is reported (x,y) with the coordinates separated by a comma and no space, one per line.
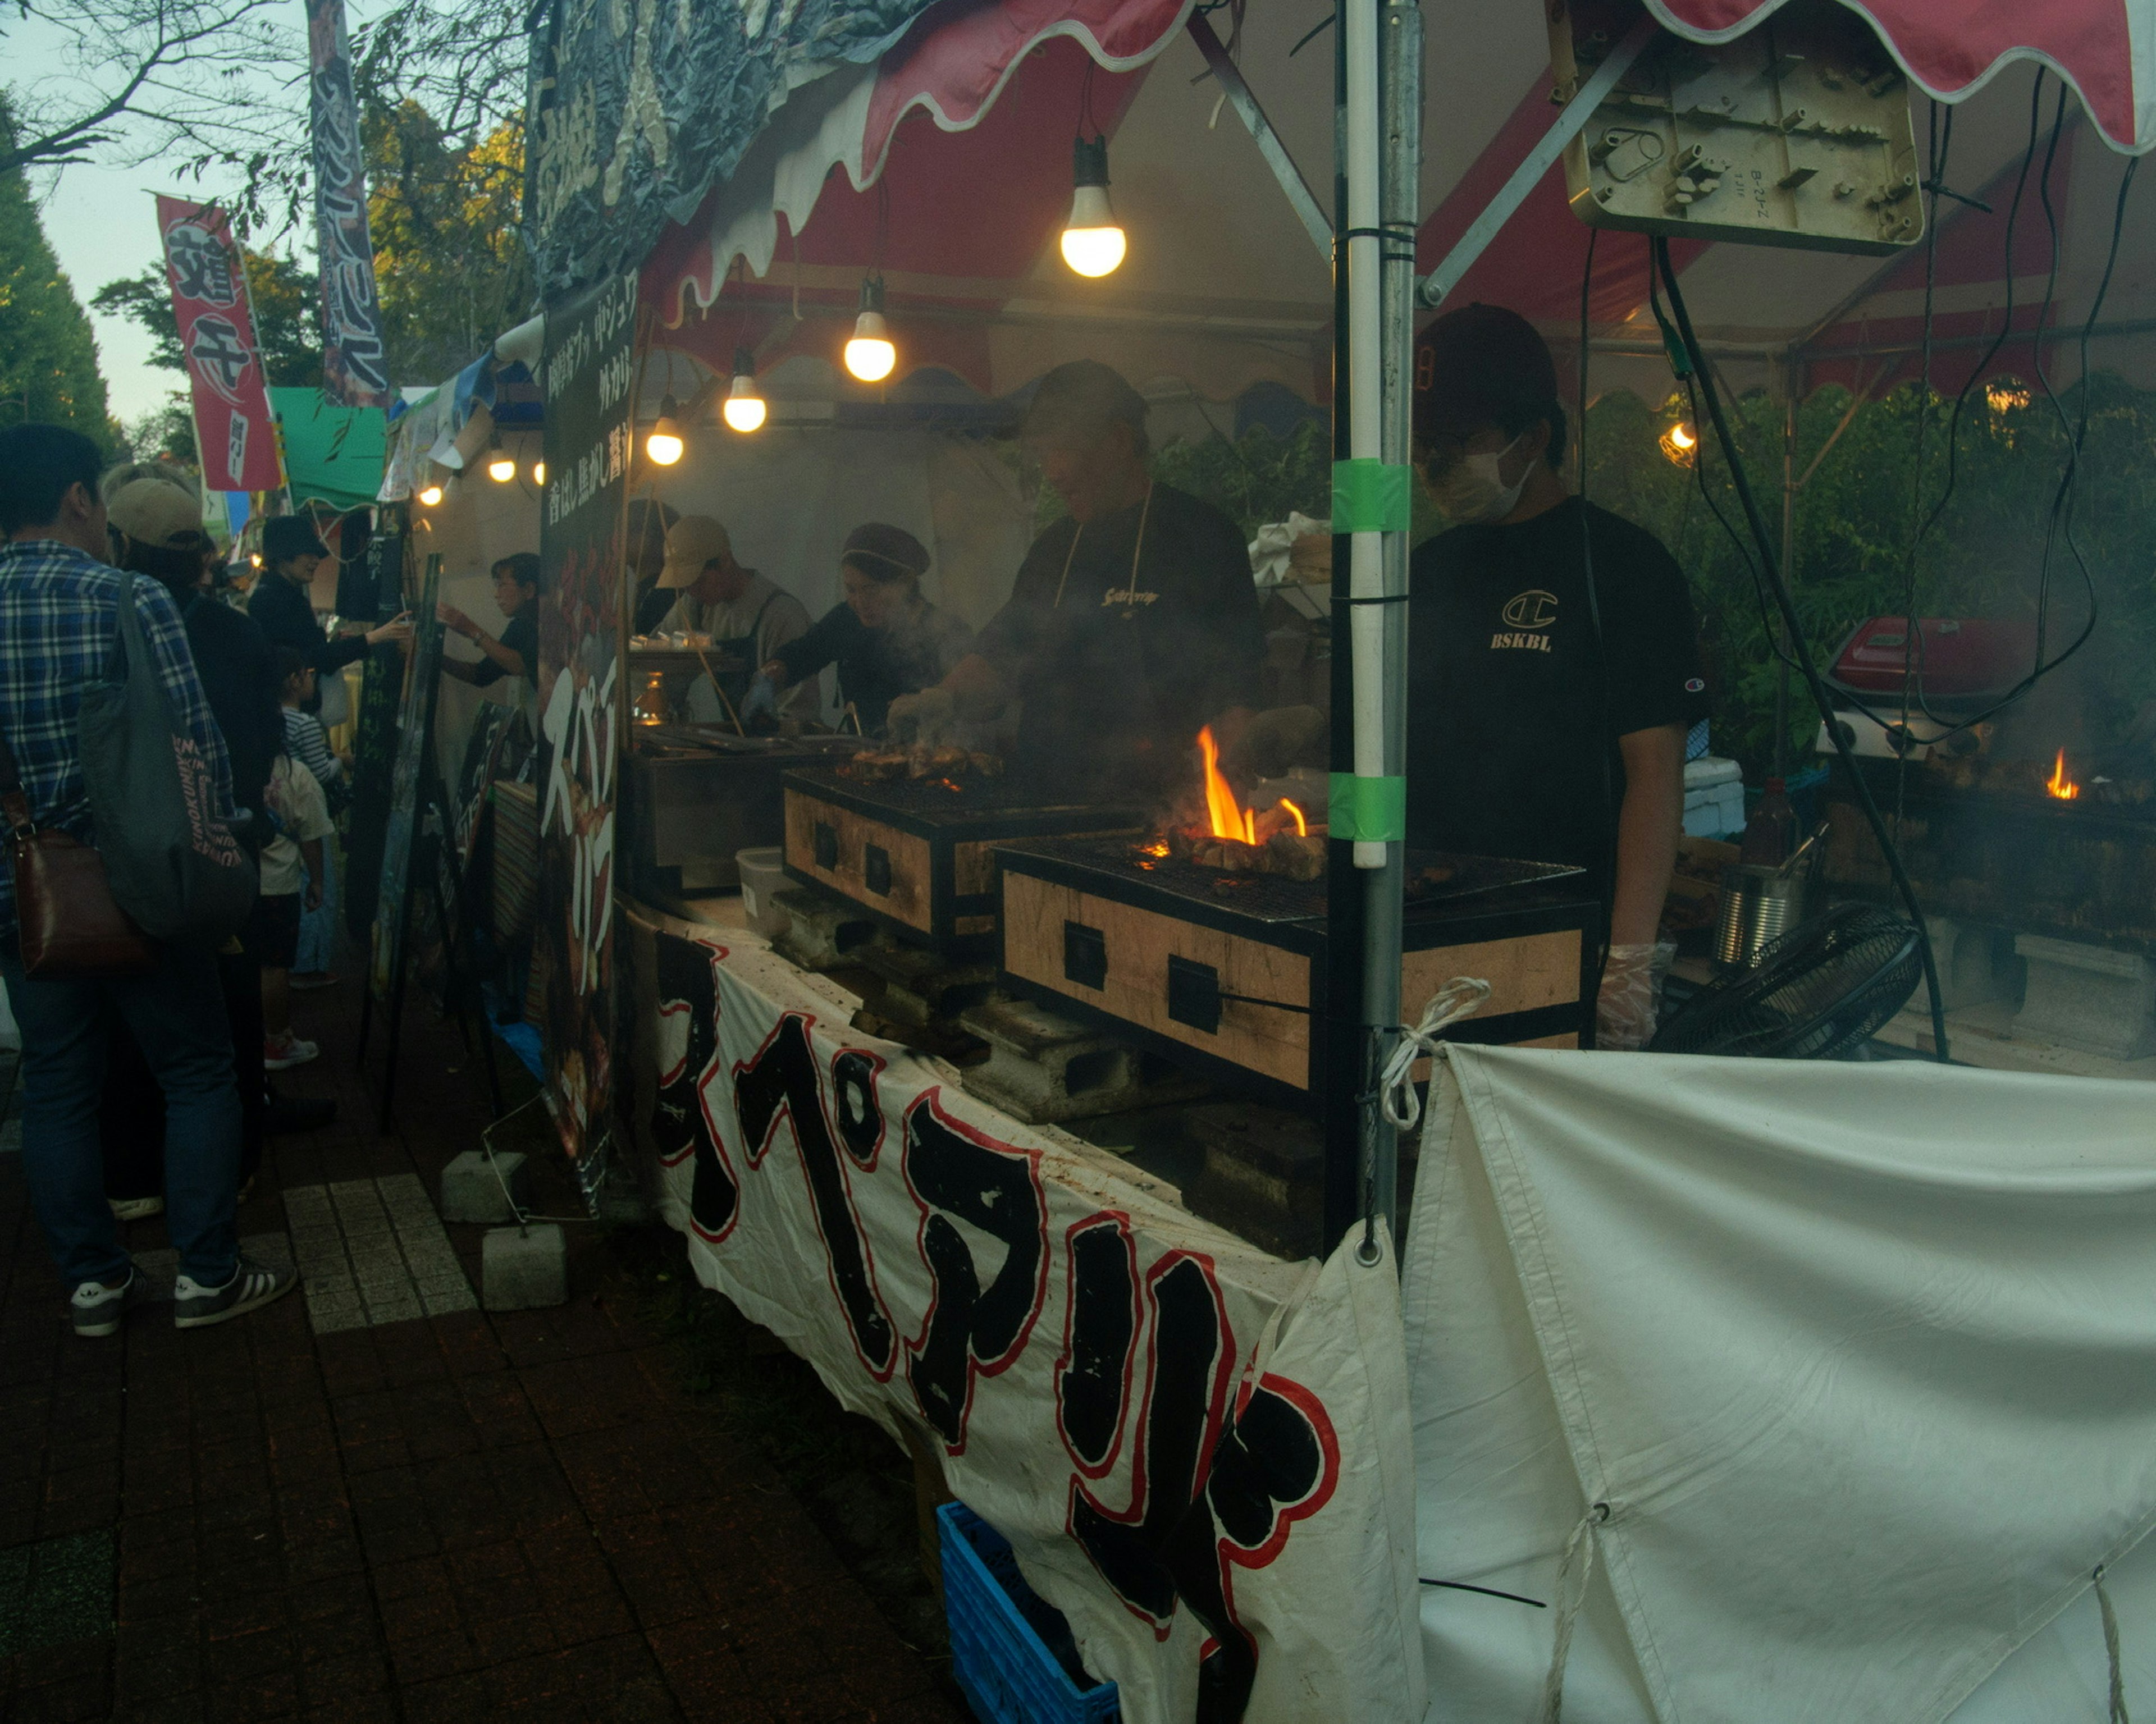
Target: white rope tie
(1570,1596)
(1462,997)
(2111,1651)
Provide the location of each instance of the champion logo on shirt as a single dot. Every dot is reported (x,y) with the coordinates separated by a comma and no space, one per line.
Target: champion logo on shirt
(1529,614)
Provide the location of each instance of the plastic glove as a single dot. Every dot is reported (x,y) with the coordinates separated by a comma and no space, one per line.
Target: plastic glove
(1631,996)
(1275,742)
(761,698)
(921,717)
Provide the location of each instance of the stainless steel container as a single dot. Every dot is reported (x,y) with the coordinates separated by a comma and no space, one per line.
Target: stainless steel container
(1758,903)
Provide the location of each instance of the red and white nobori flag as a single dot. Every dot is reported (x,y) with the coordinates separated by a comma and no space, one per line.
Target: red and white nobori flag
(233,422)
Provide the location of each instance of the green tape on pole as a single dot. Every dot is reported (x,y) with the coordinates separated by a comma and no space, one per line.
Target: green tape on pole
(1370,497)
(1372,809)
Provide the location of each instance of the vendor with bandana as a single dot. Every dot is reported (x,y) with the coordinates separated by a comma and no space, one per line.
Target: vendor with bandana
(1132,622)
(1553,661)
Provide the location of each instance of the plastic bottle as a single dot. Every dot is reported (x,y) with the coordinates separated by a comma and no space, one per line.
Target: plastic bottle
(1770,835)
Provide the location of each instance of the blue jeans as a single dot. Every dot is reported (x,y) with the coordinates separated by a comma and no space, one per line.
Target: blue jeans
(176,1013)
(318,926)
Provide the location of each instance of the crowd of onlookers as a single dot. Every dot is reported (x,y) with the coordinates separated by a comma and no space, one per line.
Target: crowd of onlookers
(150,1093)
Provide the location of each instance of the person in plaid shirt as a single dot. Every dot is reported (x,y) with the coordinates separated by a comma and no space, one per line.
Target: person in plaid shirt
(58,616)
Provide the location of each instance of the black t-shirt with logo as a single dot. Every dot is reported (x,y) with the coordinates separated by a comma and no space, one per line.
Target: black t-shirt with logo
(1121,648)
(1507,691)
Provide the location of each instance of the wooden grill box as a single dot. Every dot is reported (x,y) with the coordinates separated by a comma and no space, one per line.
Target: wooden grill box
(918,855)
(693,796)
(1223,973)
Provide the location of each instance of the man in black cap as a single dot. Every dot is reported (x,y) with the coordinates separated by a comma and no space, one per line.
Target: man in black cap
(1552,666)
(1133,620)
(280,607)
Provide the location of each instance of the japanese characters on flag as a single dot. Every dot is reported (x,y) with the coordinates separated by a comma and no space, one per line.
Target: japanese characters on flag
(1200,1453)
(355,367)
(233,424)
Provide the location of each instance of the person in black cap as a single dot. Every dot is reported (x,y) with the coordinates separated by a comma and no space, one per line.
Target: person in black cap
(1133,620)
(1552,658)
(280,607)
(888,640)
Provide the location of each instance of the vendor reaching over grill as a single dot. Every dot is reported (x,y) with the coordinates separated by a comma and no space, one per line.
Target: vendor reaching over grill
(743,619)
(1553,661)
(888,640)
(1132,622)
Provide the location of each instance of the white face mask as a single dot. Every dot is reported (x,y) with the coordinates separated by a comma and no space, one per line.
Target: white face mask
(1472,494)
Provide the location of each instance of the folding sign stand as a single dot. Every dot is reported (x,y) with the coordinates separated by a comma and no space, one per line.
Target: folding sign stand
(419,838)
(431,849)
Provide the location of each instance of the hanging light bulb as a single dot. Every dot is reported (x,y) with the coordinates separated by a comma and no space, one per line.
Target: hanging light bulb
(429,494)
(665,442)
(1093,243)
(1680,444)
(870,355)
(500,465)
(744,408)
(538,472)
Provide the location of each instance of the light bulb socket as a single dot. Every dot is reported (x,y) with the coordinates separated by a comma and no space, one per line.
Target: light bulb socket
(668,406)
(744,364)
(1089,161)
(872,299)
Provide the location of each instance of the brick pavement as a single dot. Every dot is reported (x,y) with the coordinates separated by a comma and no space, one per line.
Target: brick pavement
(469,1514)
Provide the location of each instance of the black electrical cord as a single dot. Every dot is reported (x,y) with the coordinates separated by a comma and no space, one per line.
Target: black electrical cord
(1790,621)
(2062,499)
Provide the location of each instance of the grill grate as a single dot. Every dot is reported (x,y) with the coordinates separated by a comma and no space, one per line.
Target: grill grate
(970,798)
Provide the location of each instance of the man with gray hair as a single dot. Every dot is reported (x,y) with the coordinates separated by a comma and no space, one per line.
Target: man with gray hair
(1132,622)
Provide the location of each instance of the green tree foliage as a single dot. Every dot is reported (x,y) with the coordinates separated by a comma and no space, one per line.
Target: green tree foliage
(449,269)
(284,295)
(1996,545)
(48,356)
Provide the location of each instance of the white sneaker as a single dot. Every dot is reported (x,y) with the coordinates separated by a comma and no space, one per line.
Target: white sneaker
(135,1209)
(282,1056)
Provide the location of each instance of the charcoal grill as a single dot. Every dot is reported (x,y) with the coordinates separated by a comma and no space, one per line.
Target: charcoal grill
(917,854)
(1223,973)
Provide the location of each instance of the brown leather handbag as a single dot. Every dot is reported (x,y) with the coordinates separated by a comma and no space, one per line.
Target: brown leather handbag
(71,926)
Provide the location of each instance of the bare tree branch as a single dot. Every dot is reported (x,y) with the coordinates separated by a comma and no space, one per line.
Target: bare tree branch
(194,84)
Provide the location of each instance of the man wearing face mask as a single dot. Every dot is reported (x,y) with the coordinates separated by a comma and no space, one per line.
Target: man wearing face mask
(1552,665)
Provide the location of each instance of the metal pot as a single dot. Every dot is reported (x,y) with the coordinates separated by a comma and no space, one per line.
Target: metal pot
(1759,902)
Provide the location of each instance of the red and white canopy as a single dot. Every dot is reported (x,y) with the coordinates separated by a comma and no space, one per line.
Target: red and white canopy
(946,166)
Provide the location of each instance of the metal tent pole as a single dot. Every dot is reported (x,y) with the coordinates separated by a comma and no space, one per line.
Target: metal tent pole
(1378,143)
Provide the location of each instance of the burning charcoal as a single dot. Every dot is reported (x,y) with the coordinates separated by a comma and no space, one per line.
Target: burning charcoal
(1297,855)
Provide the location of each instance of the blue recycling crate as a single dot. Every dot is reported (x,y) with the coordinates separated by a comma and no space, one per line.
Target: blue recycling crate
(1002,1633)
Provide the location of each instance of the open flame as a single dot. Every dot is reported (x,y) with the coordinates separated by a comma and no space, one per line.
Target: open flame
(2059,784)
(1226,819)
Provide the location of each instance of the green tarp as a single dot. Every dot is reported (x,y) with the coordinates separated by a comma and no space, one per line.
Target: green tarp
(332,454)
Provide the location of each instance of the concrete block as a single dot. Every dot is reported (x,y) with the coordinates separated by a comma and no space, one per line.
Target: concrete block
(826,930)
(471,1191)
(525,1269)
(1045,1068)
(2088,996)
(1263,1177)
